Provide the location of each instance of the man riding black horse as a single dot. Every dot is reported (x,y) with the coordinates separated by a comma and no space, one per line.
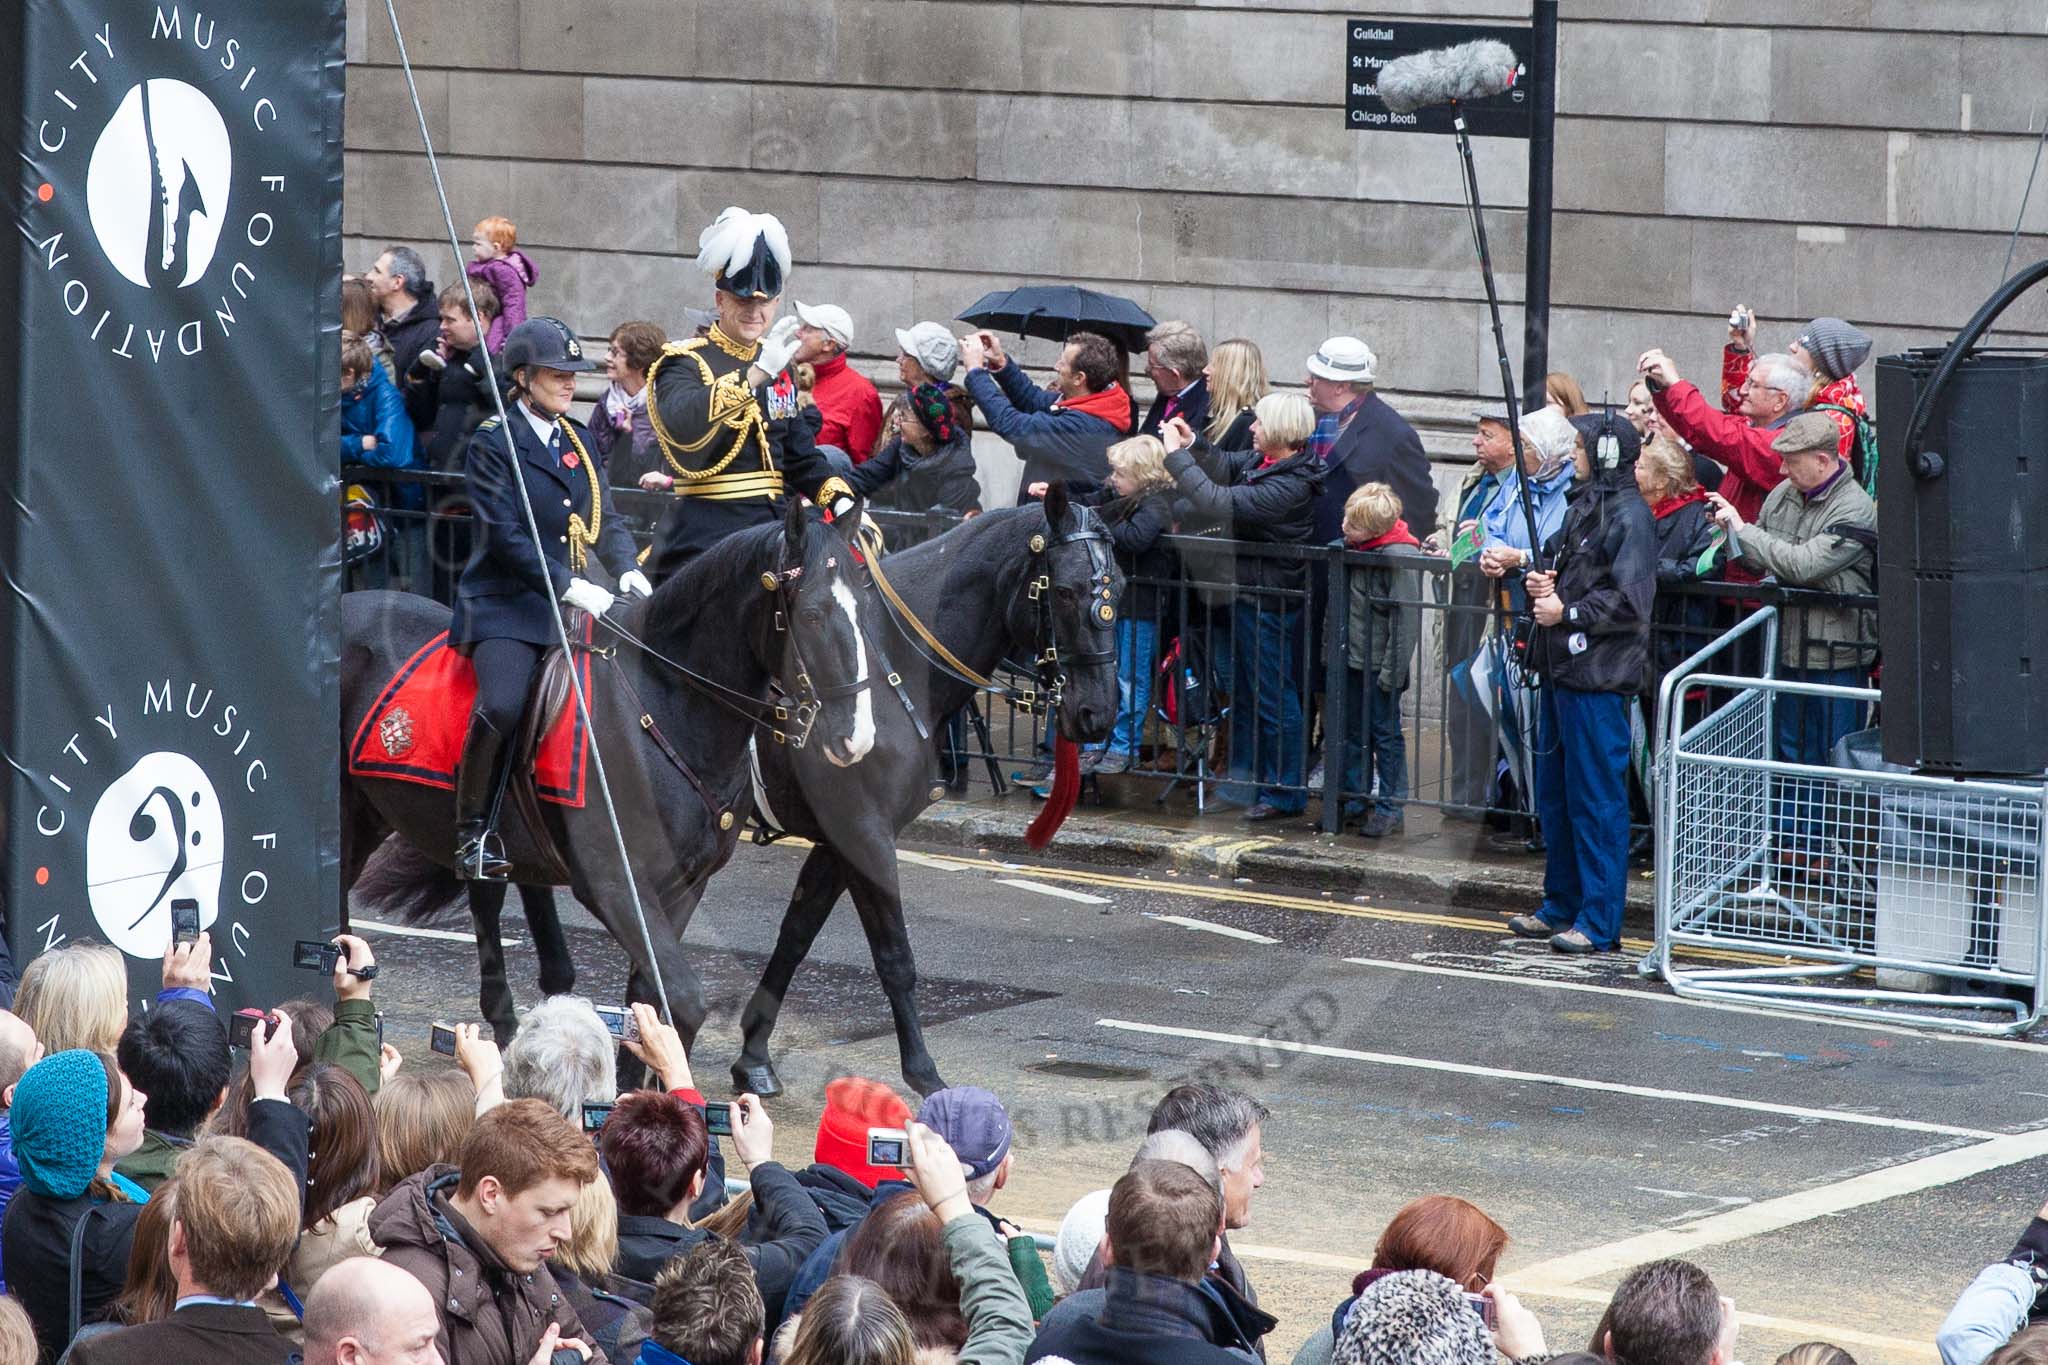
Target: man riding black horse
(506,606)
(724,406)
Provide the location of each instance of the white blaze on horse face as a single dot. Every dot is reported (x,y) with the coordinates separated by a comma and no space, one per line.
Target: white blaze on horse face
(863,738)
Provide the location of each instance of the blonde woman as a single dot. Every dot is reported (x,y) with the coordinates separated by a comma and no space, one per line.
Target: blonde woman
(1266,494)
(1134,507)
(1237,381)
(76,996)
(583,1269)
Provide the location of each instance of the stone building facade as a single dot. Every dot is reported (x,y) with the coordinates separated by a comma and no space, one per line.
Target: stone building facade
(1858,157)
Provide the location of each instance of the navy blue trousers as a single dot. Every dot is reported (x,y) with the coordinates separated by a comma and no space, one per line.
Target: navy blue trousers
(1582,800)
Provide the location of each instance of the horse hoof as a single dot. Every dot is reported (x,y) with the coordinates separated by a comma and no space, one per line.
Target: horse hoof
(924,1081)
(756,1080)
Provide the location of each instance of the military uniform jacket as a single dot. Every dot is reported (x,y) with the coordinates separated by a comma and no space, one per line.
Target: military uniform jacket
(508,591)
(732,450)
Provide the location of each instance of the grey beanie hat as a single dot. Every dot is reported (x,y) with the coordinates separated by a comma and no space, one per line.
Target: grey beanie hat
(1415,1317)
(1836,347)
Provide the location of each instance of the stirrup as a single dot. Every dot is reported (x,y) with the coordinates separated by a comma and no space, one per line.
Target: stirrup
(481,858)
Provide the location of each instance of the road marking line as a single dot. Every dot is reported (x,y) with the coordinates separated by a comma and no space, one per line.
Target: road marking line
(1663,997)
(1267,898)
(1060,891)
(1771,1215)
(1240,896)
(408,931)
(1481,925)
(1565,1082)
(936,864)
(1206,927)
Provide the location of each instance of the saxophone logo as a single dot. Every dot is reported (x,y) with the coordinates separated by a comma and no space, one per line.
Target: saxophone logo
(156,188)
(155,797)
(155,184)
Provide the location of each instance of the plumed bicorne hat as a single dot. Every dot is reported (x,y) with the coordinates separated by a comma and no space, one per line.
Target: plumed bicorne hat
(747,254)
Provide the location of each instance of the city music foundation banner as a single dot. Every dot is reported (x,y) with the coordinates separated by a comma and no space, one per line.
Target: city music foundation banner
(169,451)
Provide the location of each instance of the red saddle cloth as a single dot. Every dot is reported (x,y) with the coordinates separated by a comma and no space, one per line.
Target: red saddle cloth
(414,733)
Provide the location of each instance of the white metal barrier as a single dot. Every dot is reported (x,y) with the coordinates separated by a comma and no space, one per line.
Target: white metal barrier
(1879,895)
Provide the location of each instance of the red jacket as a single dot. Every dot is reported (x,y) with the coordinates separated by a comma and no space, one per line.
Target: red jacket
(852,408)
(1840,393)
(1754,469)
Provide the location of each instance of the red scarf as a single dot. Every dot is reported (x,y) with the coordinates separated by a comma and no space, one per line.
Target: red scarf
(1397,534)
(1112,405)
(1661,510)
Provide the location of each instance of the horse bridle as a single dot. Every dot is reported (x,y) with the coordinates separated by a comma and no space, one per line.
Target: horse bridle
(1048,663)
(808,699)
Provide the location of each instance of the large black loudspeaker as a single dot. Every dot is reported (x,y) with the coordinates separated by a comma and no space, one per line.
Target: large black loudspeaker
(1962,558)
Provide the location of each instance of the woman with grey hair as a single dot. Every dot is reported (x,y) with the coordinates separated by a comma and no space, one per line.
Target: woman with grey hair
(562,1054)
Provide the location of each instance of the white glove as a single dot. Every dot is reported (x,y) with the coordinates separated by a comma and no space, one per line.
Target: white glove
(779,347)
(633,583)
(587,595)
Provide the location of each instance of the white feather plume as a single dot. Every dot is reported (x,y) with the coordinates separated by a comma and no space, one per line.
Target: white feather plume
(728,244)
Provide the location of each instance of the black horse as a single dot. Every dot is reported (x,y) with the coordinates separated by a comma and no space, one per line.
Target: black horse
(1027,583)
(1011,584)
(672,706)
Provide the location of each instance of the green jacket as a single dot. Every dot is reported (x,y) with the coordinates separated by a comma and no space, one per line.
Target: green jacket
(1385,618)
(352,1043)
(1823,542)
(999,1328)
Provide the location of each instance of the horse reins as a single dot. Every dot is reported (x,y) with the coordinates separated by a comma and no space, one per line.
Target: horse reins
(1047,661)
(802,706)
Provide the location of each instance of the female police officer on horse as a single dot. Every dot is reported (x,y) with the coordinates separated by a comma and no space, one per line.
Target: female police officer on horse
(506,605)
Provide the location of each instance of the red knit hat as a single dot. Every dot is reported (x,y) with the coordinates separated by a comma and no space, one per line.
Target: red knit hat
(854,1104)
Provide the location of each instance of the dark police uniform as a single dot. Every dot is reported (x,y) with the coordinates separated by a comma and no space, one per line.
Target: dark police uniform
(507,603)
(733,451)
(507,590)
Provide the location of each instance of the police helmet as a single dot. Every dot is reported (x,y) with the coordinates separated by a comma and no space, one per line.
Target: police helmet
(545,342)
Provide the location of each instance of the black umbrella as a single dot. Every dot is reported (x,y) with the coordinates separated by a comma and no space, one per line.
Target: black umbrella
(1056,311)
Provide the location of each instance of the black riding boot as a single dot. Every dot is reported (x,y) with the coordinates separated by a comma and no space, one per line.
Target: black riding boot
(478,854)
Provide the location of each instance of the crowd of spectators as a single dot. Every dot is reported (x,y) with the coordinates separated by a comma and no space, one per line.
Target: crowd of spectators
(1746,490)
(308,1197)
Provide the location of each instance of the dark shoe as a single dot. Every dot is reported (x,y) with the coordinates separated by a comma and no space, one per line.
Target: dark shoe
(1379,825)
(1531,926)
(479,857)
(1260,810)
(1041,772)
(1112,762)
(1573,942)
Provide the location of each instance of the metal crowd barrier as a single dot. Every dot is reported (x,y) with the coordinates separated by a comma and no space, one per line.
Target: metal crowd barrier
(1875,889)
(1251,678)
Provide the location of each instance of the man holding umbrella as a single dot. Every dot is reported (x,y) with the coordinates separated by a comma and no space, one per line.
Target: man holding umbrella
(1062,432)
(724,408)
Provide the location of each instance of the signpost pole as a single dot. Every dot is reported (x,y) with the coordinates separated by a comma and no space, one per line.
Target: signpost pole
(1542,66)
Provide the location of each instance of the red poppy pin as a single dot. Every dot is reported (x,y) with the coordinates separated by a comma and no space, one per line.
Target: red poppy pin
(570,459)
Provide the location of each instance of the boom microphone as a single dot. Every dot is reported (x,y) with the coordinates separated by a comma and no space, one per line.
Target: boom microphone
(1469,71)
